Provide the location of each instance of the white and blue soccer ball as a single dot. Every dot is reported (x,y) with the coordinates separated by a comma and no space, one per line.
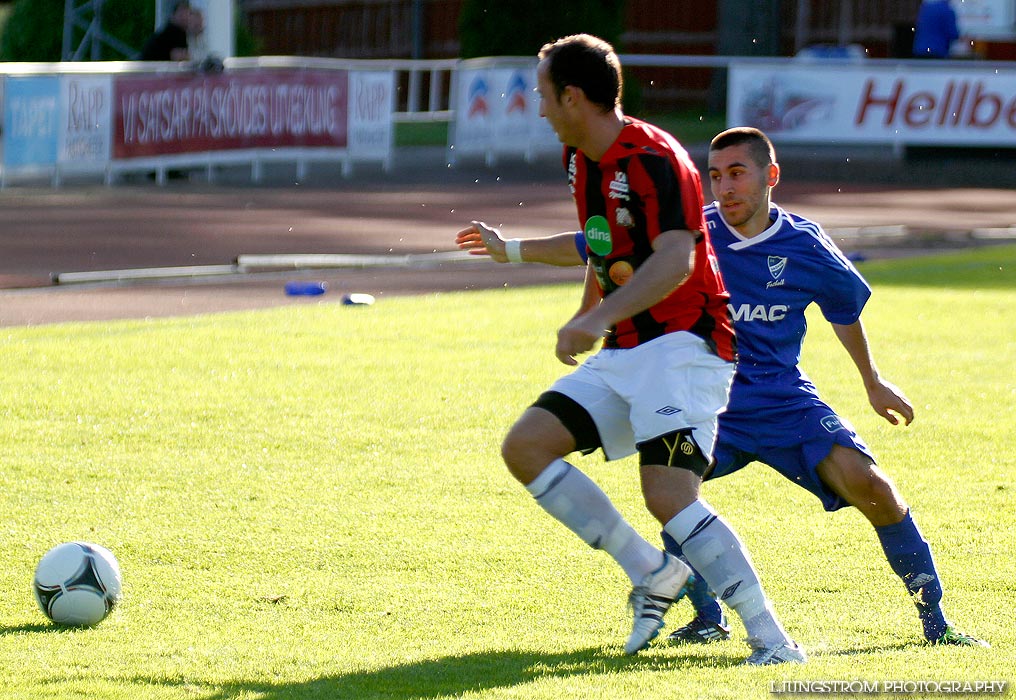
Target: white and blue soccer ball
(77,583)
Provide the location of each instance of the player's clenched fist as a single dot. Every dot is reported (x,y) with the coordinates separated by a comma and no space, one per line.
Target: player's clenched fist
(576,337)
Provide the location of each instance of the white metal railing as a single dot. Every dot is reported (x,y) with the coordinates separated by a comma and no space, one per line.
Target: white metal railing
(414,75)
(439,80)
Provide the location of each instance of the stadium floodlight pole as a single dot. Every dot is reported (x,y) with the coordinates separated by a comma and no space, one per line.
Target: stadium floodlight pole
(87,16)
(75,15)
(219,35)
(220,28)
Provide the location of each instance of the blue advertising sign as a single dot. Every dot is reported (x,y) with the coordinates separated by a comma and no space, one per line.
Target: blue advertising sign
(31,117)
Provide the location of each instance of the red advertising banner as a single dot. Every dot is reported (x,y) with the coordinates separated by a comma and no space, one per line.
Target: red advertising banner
(264,108)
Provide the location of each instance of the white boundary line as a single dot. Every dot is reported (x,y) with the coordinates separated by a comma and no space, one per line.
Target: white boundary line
(325,260)
(246,264)
(145,273)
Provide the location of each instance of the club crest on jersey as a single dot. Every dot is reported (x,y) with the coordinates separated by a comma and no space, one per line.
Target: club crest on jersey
(573,173)
(598,237)
(619,186)
(624,217)
(777,266)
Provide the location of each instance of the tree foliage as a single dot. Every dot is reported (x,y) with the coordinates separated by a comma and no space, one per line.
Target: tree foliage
(34,30)
(520,28)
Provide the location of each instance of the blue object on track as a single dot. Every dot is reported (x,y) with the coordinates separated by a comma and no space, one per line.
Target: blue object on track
(305,289)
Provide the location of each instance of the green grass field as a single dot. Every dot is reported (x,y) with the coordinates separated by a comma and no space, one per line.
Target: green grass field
(308,502)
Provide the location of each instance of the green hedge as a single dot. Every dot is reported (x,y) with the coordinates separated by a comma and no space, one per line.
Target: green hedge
(520,28)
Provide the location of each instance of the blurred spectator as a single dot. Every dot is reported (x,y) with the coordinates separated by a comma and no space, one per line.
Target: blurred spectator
(902,43)
(935,29)
(175,41)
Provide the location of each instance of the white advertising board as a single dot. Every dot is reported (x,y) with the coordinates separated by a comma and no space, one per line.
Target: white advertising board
(985,18)
(371,104)
(83,136)
(497,111)
(822,103)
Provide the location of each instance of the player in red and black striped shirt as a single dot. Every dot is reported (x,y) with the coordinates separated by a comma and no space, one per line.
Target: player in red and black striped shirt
(644,185)
(662,377)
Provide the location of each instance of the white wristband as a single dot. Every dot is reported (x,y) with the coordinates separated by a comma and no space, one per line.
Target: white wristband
(513,250)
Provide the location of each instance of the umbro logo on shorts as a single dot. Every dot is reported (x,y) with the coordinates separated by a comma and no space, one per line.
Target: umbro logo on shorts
(668,411)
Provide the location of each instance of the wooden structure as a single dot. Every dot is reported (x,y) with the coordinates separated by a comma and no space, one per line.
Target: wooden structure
(428,29)
(385,28)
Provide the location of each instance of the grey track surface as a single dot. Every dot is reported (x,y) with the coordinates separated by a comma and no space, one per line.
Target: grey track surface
(871,203)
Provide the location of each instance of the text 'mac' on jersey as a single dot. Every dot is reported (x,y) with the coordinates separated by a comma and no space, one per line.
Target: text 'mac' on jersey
(772,278)
(646,184)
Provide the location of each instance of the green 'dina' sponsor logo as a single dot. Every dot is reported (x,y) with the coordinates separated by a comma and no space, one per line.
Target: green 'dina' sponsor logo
(598,236)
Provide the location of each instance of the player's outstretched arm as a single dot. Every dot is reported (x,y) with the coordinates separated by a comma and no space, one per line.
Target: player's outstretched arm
(886,398)
(481,239)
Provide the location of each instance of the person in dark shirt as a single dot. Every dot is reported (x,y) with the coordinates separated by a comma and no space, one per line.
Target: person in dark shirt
(171,42)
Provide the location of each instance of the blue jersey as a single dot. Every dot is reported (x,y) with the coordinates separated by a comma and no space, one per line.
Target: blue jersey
(774,414)
(772,278)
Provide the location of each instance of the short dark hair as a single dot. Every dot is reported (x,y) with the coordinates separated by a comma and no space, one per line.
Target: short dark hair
(586,62)
(759,146)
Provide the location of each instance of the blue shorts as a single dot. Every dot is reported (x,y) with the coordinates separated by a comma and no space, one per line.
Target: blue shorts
(791,433)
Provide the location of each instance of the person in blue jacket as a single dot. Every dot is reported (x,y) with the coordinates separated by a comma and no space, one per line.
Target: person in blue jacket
(935,30)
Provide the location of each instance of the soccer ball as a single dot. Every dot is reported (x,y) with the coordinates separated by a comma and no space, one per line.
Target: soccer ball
(77,583)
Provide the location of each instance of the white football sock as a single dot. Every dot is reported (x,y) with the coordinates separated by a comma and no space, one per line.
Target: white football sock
(715,551)
(575,500)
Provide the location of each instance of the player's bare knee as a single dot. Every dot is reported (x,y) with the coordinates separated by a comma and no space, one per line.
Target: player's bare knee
(517,453)
(861,483)
(520,455)
(880,487)
(865,482)
(883,504)
(536,440)
(663,507)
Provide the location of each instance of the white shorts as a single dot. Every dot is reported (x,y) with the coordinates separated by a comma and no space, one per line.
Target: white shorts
(633,395)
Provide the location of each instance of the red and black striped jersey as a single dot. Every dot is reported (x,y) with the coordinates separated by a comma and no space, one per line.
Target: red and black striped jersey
(643,185)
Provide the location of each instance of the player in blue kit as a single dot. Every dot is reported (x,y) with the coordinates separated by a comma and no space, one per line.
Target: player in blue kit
(775,264)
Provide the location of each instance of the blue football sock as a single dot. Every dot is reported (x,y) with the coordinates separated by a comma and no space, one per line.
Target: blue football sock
(910,557)
(706,606)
